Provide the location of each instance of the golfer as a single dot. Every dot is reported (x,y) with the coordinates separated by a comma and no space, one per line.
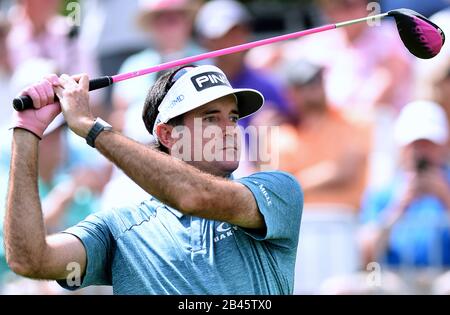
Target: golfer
(200,231)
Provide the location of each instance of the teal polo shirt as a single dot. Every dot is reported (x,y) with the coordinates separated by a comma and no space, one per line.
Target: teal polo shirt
(155,249)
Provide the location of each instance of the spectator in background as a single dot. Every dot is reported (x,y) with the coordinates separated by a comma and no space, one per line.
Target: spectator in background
(328,154)
(225,23)
(407,222)
(362,79)
(359,74)
(168,23)
(441,86)
(433,76)
(39,31)
(325,151)
(5,74)
(110,30)
(110,33)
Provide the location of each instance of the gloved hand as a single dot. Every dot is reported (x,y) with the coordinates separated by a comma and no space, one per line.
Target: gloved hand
(37,120)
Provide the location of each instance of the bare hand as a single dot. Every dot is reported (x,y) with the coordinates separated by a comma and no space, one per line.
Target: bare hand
(73,94)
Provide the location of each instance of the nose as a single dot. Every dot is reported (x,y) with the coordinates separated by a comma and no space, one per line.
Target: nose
(228,127)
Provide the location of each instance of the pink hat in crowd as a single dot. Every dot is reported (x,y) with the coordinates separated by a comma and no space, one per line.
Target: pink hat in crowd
(148,8)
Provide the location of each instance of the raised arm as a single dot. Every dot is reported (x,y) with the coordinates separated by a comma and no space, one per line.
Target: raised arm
(172,181)
(180,185)
(28,251)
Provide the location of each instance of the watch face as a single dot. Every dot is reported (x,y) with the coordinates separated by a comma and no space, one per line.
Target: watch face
(99,126)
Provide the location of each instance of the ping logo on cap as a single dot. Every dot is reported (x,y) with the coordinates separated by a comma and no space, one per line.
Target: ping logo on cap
(207,80)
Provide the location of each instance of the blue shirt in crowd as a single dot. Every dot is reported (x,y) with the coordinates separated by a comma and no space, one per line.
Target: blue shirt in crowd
(155,249)
(421,238)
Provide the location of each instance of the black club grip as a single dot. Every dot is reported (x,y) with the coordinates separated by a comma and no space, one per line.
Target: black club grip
(24,102)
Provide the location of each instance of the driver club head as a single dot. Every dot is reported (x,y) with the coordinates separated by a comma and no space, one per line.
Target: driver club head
(422,38)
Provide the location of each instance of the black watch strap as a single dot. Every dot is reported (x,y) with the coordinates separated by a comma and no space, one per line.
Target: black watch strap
(99,126)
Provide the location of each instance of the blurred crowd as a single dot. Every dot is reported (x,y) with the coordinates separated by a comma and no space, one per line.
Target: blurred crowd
(362,124)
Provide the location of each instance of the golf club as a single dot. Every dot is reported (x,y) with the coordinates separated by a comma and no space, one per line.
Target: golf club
(422,38)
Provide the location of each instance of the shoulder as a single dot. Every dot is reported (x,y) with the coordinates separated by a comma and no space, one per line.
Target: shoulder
(280,182)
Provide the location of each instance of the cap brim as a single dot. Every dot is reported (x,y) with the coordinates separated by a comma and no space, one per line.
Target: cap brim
(249,101)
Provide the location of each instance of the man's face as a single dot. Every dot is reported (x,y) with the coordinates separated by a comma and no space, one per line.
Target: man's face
(308,97)
(433,153)
(170,29)
(212,142)
(344,10)
(236,36)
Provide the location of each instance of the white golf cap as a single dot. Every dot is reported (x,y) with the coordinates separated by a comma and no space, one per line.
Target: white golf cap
(421,120)
(199,86)
(217,17)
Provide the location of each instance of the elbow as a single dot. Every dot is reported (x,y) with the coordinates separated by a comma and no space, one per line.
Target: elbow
(22,267)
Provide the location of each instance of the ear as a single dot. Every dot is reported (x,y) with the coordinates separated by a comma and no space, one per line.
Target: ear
(164,132)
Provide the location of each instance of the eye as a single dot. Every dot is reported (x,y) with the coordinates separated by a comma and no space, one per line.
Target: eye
(210,119)
(234,118)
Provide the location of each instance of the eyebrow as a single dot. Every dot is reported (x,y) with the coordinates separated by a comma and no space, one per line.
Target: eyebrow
(216,111)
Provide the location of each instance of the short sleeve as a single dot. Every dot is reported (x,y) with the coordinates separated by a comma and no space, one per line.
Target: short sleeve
(98,241)
(280,201)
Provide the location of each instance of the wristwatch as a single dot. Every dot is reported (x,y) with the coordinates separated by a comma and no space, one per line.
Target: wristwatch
(99,126)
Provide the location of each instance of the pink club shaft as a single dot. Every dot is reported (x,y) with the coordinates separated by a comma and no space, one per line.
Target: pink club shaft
(220,52)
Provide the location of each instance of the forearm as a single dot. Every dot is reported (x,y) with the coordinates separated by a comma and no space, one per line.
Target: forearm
(170,180)
(24,226)
(180,185)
